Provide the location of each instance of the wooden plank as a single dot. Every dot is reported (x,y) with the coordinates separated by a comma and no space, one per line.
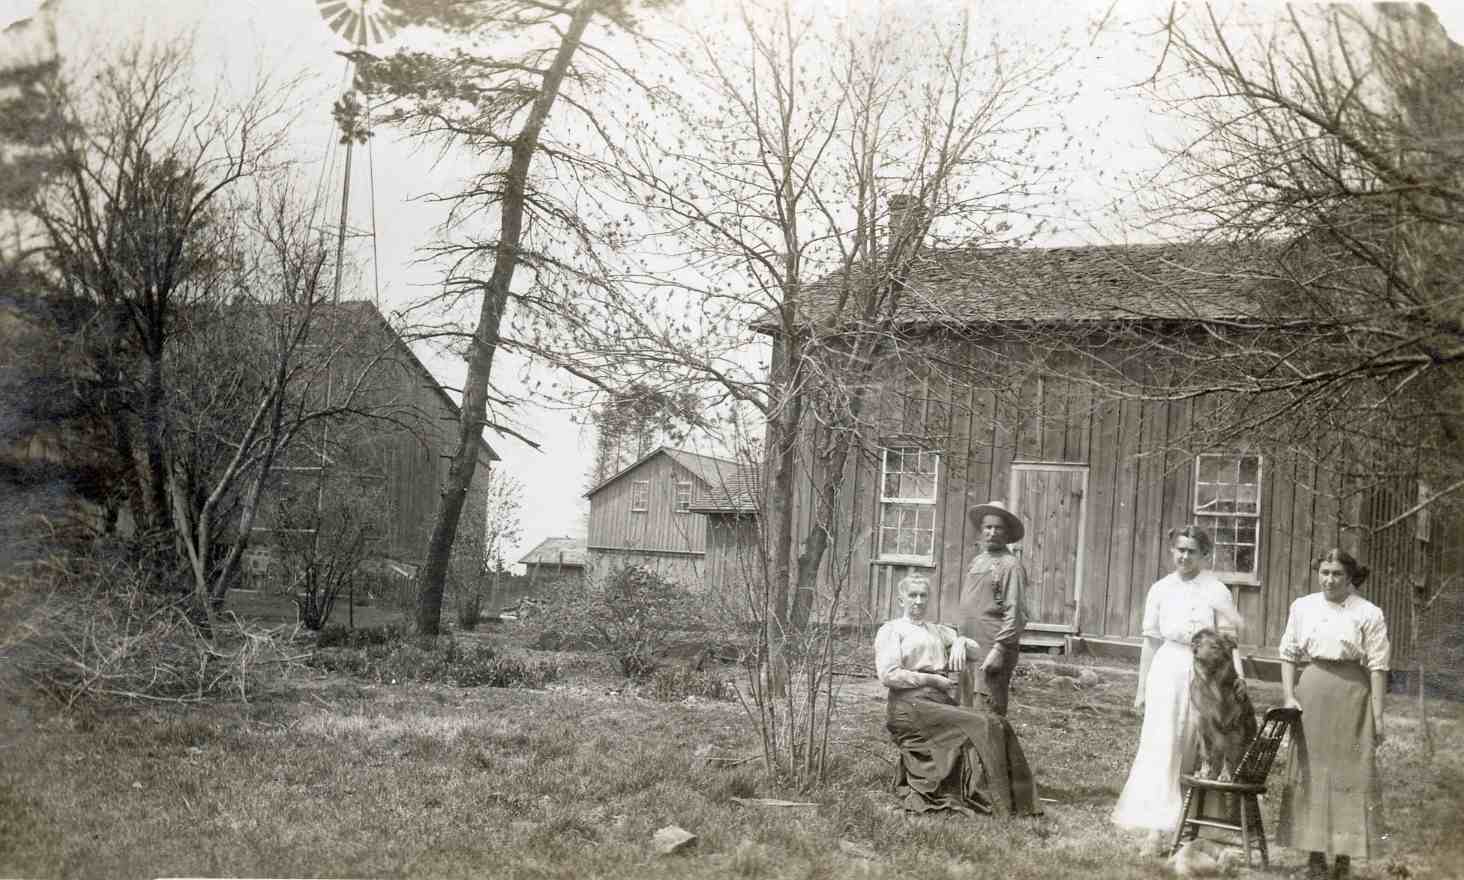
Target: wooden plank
(954,478)
(1102,486)
(1053,425)
(1025,421)
(1178,503)
(1124,594)
(1277,494)
(1149,526)
(1078,403)
(1003,448)
(1303,514)
(862,500)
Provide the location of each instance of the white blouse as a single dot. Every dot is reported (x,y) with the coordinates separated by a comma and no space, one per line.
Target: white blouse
(903,647)
(1176,609)
(1352,631)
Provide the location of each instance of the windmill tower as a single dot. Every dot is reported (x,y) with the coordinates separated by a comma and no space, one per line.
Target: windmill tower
(361,23)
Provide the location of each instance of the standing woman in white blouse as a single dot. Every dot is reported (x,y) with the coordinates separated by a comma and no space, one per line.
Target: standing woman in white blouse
(1179,605)
(1332,802)
(963,760)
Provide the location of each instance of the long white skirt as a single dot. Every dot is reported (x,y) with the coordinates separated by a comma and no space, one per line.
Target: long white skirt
(1151,798)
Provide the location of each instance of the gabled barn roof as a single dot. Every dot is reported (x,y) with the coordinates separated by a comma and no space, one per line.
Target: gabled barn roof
(369,311)
(709,470)
(556,551)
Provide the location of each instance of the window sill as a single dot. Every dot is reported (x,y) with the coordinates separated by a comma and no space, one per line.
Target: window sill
(918,561)
(1232,579)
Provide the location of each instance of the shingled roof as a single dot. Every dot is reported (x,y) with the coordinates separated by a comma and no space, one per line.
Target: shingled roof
(1088,283)
(556,551)
(710,470)
(739,494)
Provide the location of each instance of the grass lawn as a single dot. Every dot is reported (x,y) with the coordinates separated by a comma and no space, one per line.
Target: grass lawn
(328,777)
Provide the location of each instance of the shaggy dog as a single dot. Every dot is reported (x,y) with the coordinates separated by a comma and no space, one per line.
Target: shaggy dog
(1204,858)
(1225,719)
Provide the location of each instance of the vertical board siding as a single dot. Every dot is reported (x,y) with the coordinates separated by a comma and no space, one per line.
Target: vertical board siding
(1140,483)
(1102,482)
(660,528)
(955,477)
(1123,595)
(1149,528)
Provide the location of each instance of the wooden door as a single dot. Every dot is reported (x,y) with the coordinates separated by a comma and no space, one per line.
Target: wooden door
(1049,498)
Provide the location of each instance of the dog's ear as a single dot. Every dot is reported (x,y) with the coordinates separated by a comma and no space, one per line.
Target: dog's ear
(1227,642)
(1199,637)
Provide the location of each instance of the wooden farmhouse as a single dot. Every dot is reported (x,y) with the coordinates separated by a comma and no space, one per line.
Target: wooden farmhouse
(688,516)
(1097,478)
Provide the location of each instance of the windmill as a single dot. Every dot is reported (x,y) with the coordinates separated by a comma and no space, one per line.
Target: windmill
(362,23)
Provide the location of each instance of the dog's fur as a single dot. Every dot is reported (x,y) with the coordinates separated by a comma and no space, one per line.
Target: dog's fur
(1204,858)
(1224,716)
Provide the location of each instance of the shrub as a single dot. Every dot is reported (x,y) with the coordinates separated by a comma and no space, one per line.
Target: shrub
(675,682)
(337,635)
(441,661)
(632,614)
(91,629)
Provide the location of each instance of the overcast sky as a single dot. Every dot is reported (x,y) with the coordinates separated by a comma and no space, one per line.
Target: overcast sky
(236,39)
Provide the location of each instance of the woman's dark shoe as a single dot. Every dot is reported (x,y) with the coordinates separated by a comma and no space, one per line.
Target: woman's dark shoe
(1316,866)
(1342,868)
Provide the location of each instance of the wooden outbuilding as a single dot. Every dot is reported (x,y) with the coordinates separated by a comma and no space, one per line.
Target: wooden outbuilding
(672,511)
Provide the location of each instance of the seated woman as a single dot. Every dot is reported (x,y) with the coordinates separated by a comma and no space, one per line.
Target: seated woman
(964,760)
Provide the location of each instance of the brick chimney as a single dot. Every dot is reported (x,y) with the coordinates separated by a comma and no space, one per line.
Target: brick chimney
(906,220)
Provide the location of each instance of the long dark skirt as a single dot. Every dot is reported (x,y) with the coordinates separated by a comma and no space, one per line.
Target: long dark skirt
(957,759)
(1332,800)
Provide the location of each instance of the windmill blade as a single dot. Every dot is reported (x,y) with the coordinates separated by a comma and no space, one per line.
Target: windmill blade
(361,22)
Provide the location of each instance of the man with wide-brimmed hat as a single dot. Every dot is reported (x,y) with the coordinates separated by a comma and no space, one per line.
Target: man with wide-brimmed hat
(993,608)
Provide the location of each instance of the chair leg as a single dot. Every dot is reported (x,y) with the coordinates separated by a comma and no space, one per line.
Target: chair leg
(1245,829)
(1260,833)
(1199,813)
(1189,797)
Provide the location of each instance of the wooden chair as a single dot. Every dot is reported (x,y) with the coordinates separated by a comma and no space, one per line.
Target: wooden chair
(1248,784)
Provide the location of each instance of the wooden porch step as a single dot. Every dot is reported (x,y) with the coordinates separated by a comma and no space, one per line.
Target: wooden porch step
(1262,666)
(1051,642)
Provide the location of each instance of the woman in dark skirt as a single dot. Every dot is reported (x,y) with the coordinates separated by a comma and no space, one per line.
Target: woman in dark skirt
(1332,801)
(951,758)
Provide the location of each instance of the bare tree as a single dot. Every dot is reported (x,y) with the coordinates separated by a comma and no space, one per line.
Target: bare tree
(790,182)
(1326,142)
(805,170)
(131,222)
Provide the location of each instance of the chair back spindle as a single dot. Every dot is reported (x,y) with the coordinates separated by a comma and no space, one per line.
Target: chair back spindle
(1255,764)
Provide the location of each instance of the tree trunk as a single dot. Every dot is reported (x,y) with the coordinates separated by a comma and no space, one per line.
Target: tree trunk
(485,337)
(782,458)
(154,437)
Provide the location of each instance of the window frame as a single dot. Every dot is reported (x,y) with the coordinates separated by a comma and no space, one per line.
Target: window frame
(680,503)
(1209,520)
(932,503)
(640,492)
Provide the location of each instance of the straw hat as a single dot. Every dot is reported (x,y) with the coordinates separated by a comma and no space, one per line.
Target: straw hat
(1015,529)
